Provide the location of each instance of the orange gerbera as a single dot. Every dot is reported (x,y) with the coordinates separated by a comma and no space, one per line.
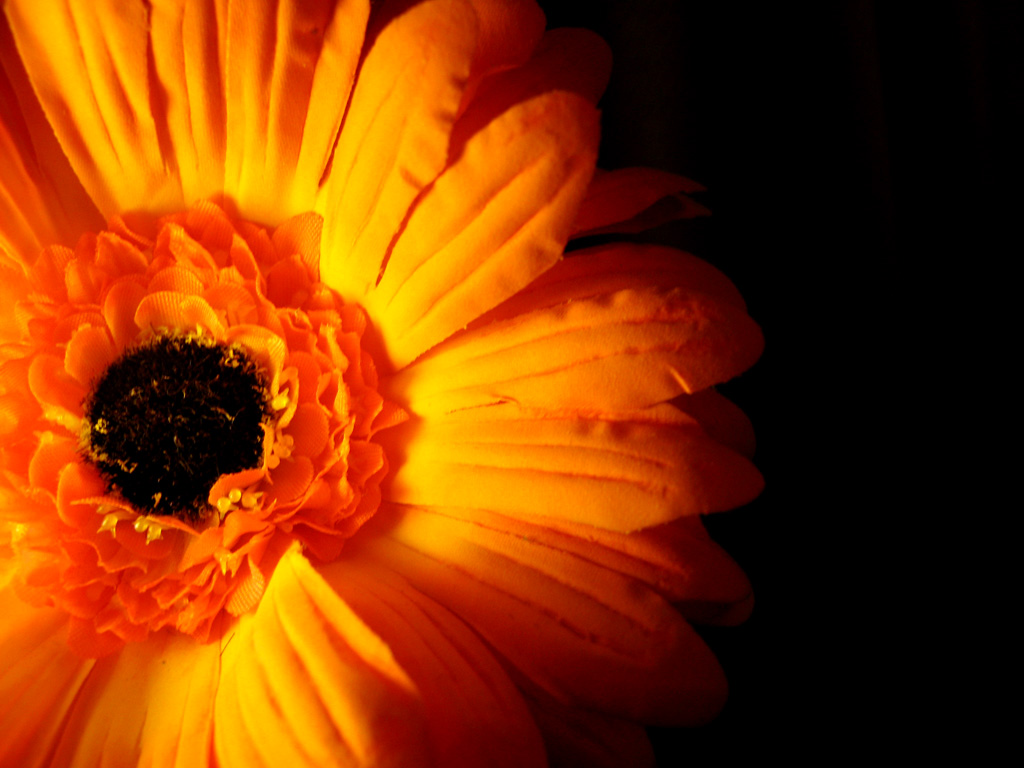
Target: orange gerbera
(315,451)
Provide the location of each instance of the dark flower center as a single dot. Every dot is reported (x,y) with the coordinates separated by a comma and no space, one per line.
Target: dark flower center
(168,418)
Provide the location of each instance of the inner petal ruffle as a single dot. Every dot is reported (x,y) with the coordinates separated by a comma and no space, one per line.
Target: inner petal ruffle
(119,572)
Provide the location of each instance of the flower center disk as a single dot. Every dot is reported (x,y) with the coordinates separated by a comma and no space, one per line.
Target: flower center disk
(191,402)
(168,418)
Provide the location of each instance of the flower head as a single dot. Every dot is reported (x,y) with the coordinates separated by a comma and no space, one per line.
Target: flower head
(313,447)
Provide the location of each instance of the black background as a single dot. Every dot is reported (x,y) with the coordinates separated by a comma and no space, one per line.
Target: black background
(849,151)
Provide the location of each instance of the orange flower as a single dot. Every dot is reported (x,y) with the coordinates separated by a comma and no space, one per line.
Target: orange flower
(315,450)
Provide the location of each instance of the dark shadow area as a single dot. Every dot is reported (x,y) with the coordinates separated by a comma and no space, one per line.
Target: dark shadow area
(849,150)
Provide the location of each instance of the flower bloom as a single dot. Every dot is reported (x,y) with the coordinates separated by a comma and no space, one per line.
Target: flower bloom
(315,449)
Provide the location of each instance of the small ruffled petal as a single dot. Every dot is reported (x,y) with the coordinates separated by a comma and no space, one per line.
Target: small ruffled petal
(621,472)
(306,682)
(492,222)
(589,636)
(88,354)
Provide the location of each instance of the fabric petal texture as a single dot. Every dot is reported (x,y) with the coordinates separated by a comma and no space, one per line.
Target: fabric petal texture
(316,447)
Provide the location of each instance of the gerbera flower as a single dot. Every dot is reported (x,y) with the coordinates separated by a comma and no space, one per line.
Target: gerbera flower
(316,450)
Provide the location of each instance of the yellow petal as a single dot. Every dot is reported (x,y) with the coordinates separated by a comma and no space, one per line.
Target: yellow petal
(509,31)
(305,682)
(608,268)
(589,636)
(395,137)
(635,200)
(88,61)
(571,60)
(677,560)
(721,419)
(580,737)
(150,704)
(41,199)
(187,58)
(622,472)
(39,680)
(26,222)
(476,715)
(497,218)
(599,343)
(288,69)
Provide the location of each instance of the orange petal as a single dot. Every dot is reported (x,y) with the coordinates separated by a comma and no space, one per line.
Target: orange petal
(618,350)
(16,412)
(39,680)
(59,394)
(300,235)
(622,473)
(288,69)
(635,199)
(177,311)
(395,138)
(150,704)
(53,454)
(268,349)
(118,256)
(88,354)
(119,307)
(589,636)
(305,682)
(475,714)
(494,220)
(291,479)
(14,286)
(89,63)
(79,481)
(288,283)
(178,279)
(309,427)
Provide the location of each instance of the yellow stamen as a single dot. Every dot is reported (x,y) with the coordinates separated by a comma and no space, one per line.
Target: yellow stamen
(152,529)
